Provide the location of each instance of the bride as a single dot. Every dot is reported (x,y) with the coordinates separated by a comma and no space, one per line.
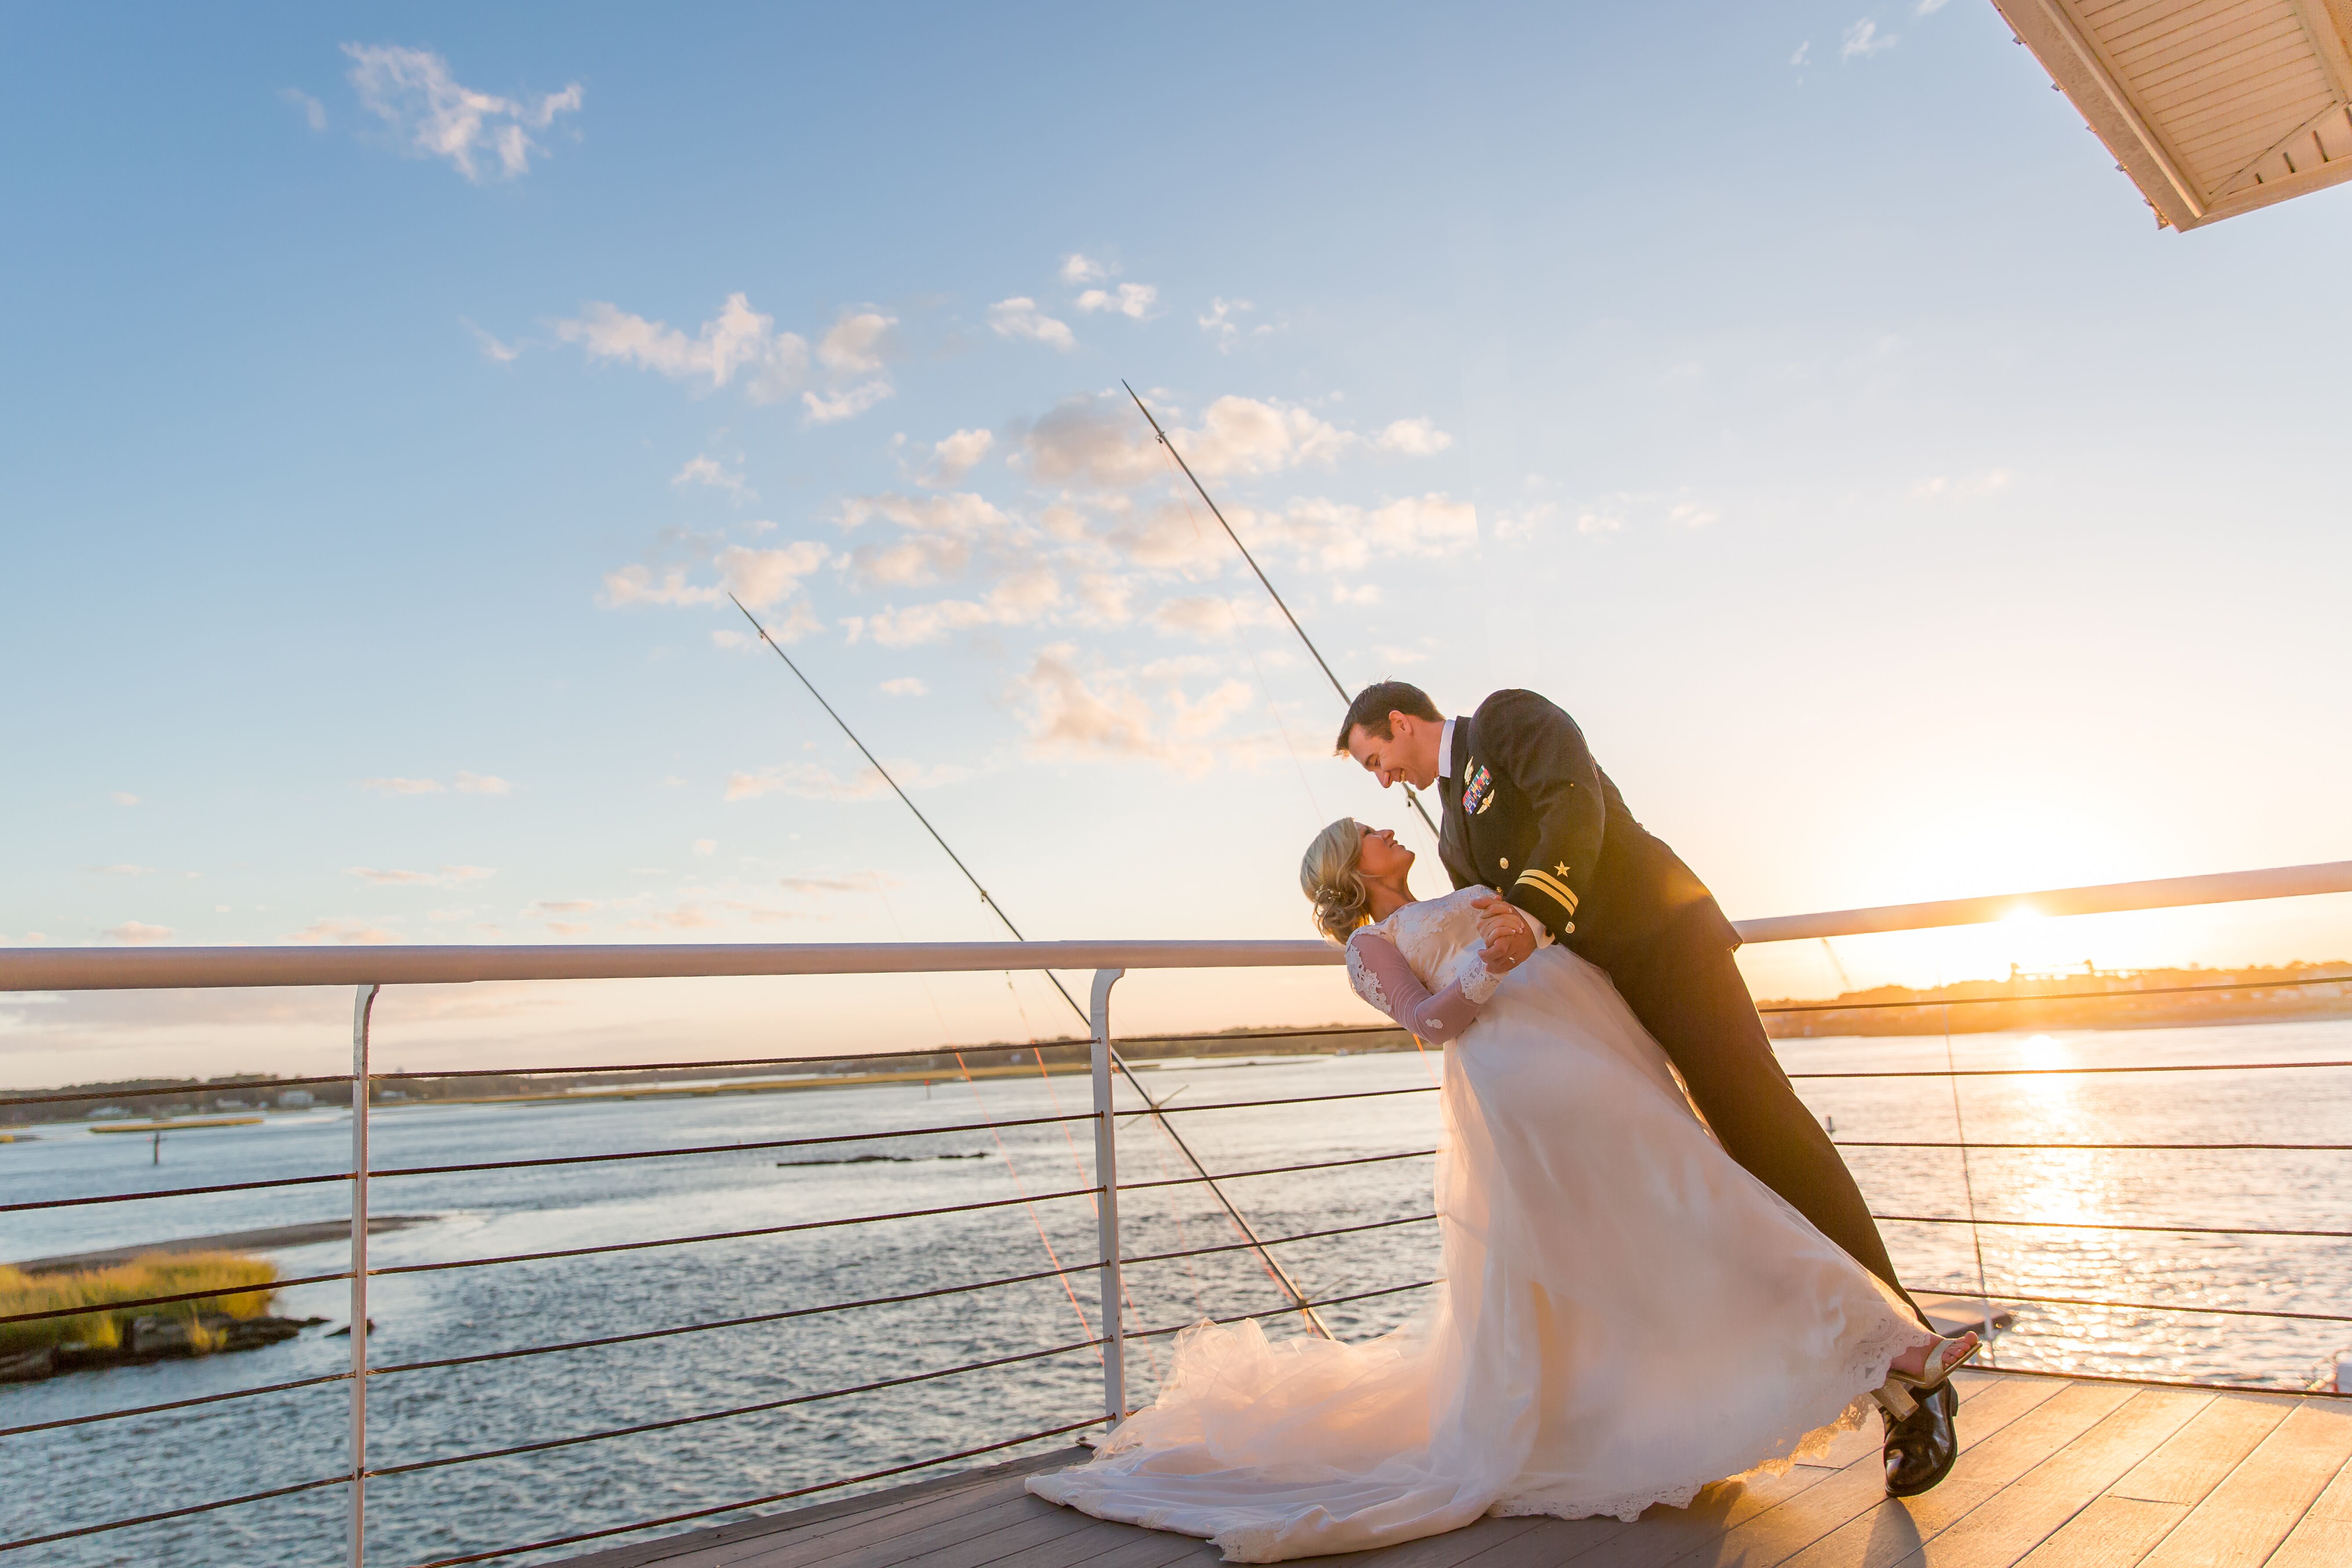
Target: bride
(1627,1315)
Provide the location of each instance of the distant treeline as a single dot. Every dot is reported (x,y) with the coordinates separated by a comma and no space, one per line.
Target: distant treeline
(173,1097)
(2092,999)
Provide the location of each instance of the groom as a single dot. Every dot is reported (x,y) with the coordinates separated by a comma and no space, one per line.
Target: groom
(1529,814)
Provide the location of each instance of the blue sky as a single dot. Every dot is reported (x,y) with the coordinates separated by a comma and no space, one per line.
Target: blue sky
(1798,395)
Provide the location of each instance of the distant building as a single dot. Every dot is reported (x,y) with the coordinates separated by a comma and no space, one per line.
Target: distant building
(295,1099)
(110,1113)
(230,1105)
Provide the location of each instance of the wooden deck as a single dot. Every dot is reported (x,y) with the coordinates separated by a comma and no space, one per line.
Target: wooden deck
(2055,1474)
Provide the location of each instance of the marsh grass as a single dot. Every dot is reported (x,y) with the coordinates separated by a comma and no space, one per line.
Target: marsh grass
(233,1274)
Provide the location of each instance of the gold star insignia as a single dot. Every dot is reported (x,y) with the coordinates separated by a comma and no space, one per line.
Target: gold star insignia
(1561,869)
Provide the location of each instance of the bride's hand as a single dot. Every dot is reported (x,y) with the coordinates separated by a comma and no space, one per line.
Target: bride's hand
(1507,941)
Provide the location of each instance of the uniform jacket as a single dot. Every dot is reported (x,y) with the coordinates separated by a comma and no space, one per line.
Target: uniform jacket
(1529,814)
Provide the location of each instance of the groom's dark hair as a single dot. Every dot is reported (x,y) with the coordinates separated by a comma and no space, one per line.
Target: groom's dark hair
(1372,706)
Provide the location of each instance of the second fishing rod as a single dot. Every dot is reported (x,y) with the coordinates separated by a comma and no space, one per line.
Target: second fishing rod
(1249,1234)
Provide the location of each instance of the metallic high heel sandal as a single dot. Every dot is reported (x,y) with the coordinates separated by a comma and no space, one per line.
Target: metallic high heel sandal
(1945,1357)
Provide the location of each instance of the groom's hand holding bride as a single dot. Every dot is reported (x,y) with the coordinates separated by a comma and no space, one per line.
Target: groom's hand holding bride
(1509,943)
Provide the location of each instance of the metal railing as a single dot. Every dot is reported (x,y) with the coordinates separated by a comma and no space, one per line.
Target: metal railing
(368,970)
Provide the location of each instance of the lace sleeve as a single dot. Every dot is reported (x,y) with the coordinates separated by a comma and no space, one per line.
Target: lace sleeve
(1361,974)
(1382,977)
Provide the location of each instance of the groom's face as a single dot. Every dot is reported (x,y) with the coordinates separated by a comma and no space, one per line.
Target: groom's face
(1406,754)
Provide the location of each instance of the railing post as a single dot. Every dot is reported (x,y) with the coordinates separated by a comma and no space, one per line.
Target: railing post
(1107,1209)
(360,1007)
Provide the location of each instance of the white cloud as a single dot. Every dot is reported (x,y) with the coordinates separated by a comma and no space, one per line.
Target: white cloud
(1414,439)
(1019,600)
(706,846)
(1019,317)
(465,783)
(856,344)
(1366,594)
(312,110)
(1340,537)
(1208,619)
(403,787)
(1804,52)
(738,342)
(569,927)
(813,782)
(1099,441)
(957,455)
(494,351)
(1864,41)
(564,906)
(1927,7)
(412,92)
(1224,323)
(1070,715)
(758,577)
(125,869)
(139,931)
(1134,299)
(1103,600)
(905,686)
(123,797)
(832,406)
(347,932)
(855,882)
(714,472)
(1078,269)
(1092,440)
(940,535)
(1242,435)
(448,876)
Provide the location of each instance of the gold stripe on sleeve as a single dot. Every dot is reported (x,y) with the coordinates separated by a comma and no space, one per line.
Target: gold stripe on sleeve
(1551,887)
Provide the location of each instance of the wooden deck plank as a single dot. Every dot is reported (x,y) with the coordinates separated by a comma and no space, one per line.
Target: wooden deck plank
(1991,1433)
(2244,1519)
(1448,1551)
(964,1540)
(2053,1474)
(2315,1544)
(2012,1520)
(1667,1535)
(2193,1462)
(2112,1533)
(817,1519)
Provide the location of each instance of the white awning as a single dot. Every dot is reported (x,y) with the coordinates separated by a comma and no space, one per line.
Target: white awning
(2212,107)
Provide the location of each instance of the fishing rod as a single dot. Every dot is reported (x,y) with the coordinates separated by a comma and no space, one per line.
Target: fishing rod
(1411,798)
(1281,1276)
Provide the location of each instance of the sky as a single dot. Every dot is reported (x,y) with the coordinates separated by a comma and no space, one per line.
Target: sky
(1796,395)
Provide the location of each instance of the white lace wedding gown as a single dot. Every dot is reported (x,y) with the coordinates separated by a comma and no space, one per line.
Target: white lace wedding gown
(1627,1315)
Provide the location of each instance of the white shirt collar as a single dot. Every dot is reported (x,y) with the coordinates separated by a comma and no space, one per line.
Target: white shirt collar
(1446,750)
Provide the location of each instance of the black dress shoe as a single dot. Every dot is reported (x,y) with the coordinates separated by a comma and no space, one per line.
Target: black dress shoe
(1921,1447)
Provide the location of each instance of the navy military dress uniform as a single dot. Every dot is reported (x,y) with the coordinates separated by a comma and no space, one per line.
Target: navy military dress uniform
(1528,813)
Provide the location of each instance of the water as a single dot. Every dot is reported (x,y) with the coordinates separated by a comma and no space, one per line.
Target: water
(127,1468)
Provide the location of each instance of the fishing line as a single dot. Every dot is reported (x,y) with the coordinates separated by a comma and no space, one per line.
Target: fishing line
(1411,798)
(1249,655)
(1968,1183)
(1242,1228)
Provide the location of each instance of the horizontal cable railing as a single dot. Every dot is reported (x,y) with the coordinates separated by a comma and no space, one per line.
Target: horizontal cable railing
(743,1235)
(369,968)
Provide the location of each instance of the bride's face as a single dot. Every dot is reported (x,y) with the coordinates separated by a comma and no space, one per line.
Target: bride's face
(1382,857)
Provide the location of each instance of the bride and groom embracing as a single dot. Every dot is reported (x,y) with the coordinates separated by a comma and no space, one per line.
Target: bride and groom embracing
(1658,1273)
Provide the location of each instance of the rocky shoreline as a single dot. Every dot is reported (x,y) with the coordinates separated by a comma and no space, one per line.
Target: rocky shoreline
(154,1339)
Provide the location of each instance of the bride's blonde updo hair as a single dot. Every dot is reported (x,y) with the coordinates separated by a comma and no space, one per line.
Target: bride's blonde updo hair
(1333,881)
